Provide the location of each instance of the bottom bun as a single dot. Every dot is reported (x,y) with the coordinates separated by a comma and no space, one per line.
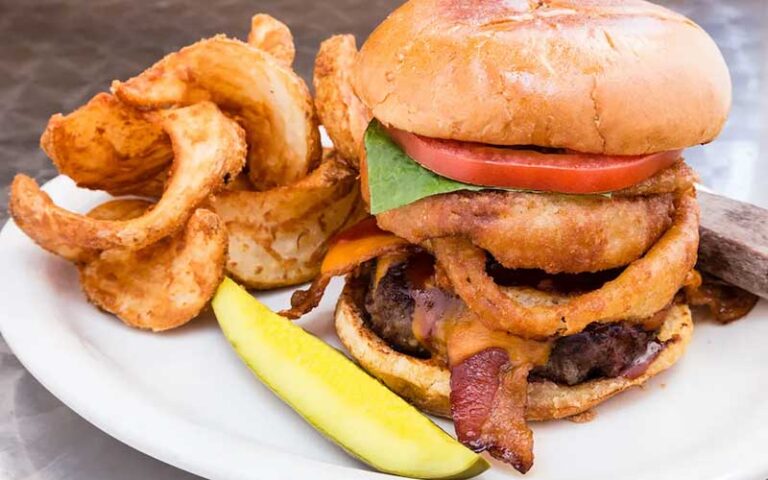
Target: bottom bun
(426,383)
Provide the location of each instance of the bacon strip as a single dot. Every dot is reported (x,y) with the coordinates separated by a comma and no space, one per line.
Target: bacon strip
(488,401)
(304,301)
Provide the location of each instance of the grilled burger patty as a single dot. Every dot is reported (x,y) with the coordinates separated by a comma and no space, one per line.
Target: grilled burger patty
(390,309)
(599,351)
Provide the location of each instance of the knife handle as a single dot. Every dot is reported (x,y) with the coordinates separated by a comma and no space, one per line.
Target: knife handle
(734,242)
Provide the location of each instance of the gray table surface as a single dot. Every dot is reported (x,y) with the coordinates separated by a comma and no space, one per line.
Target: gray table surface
(55,54)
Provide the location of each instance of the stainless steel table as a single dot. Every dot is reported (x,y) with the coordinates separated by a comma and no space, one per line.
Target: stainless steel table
(55,54)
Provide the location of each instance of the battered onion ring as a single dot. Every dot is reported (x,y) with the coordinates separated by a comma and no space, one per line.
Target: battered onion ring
(161,286)
(555,233)
(271,102)
(273,36)
(341,112)
(643,288)
(675,178)
(209,149)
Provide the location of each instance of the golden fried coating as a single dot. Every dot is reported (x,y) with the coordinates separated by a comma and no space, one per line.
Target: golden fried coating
(270,101)
(676,178)
(150,188)
(107,145)
(555,233)
(278,238)
(426,383)
(49,240)
(121,209)
(340,111)
(273,36)
(157,287)
(642,289)
(209,149)
(164,285)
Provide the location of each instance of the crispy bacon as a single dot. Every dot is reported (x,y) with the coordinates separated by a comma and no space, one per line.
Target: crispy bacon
(489,396)
(304,301)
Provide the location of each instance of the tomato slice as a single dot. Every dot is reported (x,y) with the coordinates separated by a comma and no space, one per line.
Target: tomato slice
(577,173)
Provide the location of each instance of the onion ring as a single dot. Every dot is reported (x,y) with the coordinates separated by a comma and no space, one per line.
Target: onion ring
(676,178)
(554,233)
(272,103)
(209,149)
(643,288)
(341,112)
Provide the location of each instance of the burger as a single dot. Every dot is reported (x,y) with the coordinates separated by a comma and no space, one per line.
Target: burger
(533,220)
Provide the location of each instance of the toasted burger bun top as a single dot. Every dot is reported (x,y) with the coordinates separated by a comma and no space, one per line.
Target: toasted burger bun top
(619,77)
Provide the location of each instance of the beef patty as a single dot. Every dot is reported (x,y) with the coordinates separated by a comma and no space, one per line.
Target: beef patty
(390,308)
(600,351)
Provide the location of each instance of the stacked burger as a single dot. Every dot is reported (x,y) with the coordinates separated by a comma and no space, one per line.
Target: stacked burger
(534,218)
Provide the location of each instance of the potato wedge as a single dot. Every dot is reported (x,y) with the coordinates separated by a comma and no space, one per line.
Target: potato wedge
(273,36)
(161,286)
(123,209)
(107,145)
(158,287)
(271,102)
(151,188)
(120,209)
(278,238)
(340,111)
(210,150)
(240,182)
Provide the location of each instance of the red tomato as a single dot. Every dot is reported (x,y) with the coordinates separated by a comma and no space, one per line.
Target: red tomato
(578,173)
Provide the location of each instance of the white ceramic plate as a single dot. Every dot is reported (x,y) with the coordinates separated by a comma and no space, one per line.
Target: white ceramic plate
(185,398)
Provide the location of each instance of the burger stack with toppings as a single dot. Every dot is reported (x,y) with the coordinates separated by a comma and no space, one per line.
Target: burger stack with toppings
(533,217)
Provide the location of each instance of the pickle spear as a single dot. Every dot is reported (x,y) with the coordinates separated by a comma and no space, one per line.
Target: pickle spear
(338,398)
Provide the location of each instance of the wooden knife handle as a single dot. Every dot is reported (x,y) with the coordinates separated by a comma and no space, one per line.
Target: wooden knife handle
(734,242)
